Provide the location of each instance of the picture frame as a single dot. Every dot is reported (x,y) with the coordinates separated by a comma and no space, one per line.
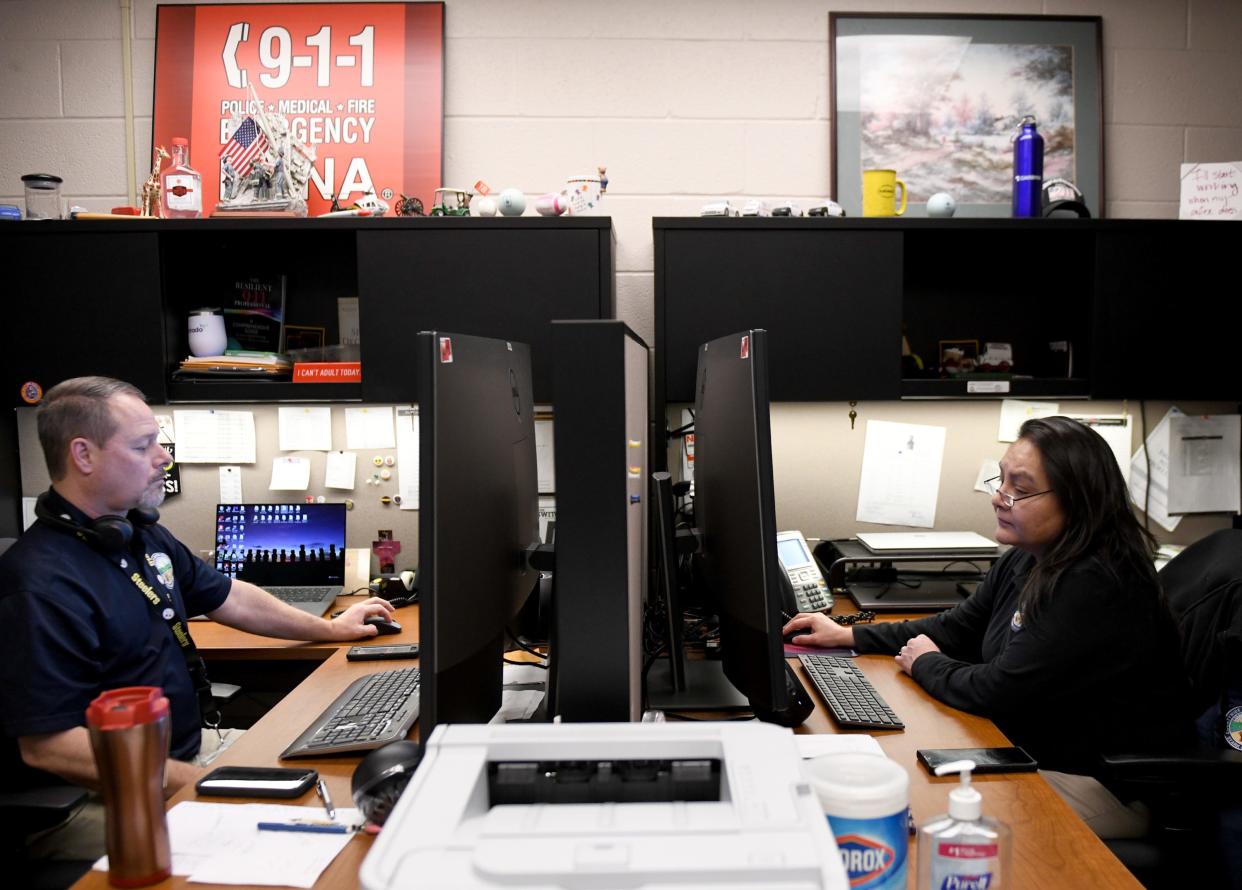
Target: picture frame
(304,336)
(949,129)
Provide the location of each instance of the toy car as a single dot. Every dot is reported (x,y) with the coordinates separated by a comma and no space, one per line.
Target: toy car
(787,208)
(826,208)
(717,208)
(756,207)
(450,202)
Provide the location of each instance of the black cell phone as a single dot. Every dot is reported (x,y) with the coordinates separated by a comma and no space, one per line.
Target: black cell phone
(382,653)
(987,760)
(257,781)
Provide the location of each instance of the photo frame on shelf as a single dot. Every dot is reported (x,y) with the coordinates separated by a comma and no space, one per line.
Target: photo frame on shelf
(302,336)
(950,128)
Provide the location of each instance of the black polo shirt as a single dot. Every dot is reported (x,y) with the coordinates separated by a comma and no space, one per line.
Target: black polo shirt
(75,624)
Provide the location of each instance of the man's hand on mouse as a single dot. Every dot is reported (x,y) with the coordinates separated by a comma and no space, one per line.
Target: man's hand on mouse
(349,626)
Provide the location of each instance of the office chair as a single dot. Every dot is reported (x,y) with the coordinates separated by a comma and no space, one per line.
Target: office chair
(1195,794)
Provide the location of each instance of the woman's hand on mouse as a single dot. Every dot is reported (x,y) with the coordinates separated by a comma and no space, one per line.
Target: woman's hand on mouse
(815,629)
(349,626)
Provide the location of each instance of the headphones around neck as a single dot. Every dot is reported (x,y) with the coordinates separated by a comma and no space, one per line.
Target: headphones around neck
(108,534)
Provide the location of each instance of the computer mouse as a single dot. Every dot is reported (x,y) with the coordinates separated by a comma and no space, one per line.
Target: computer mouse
(383,625)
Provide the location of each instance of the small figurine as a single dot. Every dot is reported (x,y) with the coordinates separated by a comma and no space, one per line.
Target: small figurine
(603,180)
(451,202)
(336,204)
(374,205)
(407,206)
(151,188)
(231,178)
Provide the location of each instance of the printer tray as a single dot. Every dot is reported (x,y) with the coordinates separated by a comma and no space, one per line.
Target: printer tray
(931,595)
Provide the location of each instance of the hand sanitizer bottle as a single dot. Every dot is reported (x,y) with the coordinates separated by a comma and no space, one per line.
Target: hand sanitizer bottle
(182,186)
(963,850)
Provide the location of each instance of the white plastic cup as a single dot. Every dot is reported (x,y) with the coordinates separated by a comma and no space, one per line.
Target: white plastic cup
(206,332)
(866,799)
(584,194)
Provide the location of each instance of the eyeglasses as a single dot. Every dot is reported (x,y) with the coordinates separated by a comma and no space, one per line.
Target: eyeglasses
(993,486)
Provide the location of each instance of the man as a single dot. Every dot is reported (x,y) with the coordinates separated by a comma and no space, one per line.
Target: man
(79,616)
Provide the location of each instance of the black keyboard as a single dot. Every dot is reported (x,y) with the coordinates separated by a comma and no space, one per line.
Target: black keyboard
(848,693)
(300,594)
(372,712)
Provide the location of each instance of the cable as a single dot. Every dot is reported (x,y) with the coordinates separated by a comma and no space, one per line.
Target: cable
(521,644)
(537,664)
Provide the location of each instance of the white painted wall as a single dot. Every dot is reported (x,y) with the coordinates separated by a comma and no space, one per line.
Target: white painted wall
(684,101)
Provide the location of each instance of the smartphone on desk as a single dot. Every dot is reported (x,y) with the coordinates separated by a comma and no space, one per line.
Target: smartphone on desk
(257,781)
(987,760)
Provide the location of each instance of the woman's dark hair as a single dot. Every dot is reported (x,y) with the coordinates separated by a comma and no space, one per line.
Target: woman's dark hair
(1083,474)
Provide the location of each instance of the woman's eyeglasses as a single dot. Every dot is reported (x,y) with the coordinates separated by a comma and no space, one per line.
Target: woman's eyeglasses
(993,486)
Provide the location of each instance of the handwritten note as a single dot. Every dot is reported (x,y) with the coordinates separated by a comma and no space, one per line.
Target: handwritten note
(1211,191)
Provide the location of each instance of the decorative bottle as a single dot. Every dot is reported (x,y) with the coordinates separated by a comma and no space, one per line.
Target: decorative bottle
(963,849)
(1028,169)
(182,186)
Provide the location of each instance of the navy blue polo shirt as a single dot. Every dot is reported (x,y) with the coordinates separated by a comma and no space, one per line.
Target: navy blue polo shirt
(75,625)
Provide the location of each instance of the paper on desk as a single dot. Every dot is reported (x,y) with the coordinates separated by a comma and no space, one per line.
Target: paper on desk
(231,486)
(1203,464)
(369,427)
(900,474)
(1116,431)
(1157,498)
(517,704)
(817,745)
(407,456)
(524,675)
(545,460)
(340,469)
(305,428)
(214,437)
(290,474)
(1015,412)
(219,843)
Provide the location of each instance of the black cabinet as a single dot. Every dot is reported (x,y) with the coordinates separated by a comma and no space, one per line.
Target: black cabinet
(830,300)
(113,297)
(1088,308)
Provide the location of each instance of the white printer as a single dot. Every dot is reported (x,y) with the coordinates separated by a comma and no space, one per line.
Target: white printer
(756,822)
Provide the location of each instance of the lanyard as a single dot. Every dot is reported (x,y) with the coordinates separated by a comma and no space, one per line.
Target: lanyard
(163,605)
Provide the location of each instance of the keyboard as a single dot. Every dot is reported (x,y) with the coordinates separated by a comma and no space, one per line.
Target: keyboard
(372,712)
(301,594)
(848,693)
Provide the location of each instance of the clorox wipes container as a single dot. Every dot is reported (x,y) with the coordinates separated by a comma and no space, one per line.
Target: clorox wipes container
(865,798)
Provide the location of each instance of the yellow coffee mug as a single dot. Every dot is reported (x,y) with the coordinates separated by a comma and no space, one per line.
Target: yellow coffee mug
(879,189)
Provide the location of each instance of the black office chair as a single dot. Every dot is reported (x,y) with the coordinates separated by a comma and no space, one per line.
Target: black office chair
(1196,794)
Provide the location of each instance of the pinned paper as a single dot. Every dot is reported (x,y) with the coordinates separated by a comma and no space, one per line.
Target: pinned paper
(1116,431)
(1211,191)
(214,437)
(1203,464)
(340,470)
(290,474)
(989,469)
(231,486)
(1015,412)
(305,428)
(1154,498)
(900,474)
(407,455)
(369,427)
(545,458)
(167,430)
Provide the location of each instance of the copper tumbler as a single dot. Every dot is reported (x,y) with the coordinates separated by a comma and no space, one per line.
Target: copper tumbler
(130,733)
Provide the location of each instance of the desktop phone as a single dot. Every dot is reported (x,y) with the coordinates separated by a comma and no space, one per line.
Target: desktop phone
(810,590)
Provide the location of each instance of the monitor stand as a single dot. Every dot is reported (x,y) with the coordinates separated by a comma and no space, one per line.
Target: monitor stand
(706,688)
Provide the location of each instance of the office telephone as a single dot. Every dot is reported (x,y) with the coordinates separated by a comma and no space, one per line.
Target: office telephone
(810,590)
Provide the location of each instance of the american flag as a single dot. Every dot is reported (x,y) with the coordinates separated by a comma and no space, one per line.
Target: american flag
(247,143)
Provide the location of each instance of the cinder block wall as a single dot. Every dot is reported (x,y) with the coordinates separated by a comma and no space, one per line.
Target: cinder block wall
(684,101)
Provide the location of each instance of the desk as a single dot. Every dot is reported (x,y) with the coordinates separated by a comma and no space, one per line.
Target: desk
(1053,848)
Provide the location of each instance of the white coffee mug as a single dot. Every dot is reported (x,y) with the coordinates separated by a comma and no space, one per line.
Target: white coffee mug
(207,335)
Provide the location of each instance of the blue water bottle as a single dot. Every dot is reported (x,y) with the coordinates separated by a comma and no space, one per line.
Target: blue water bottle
(1028,169)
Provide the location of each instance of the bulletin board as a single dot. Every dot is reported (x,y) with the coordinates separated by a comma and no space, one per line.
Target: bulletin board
(363,82)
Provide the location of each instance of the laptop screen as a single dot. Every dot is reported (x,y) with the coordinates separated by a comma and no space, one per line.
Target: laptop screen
(282,545)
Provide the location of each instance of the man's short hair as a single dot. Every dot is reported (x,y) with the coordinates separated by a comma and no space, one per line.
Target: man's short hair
(74,408)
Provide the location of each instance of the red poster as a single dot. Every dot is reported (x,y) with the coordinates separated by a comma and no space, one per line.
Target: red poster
(363,83)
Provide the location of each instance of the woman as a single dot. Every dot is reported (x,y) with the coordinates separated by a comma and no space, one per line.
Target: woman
(1067,645)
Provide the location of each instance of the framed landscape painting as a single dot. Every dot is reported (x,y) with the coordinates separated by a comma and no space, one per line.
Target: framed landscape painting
(940,98)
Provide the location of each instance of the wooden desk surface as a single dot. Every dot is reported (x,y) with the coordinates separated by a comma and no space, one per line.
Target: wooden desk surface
(1053,848)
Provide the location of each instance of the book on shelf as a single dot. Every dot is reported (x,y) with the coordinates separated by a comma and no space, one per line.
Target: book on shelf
(254,314)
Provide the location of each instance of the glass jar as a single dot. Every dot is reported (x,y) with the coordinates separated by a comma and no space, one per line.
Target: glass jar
(42,196)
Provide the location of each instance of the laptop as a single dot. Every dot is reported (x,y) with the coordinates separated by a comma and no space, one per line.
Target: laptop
(296,552)
(940,542)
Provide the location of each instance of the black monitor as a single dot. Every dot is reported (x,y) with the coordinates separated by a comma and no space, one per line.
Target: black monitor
(478,517)
(735,517)
(600,421)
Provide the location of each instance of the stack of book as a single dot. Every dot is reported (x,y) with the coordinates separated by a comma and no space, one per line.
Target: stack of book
(237,363)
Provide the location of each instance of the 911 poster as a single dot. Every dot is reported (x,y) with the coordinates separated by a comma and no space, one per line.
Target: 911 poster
(360,84)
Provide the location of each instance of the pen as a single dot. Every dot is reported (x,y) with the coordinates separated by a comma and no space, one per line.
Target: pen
(311,827)
(322,787)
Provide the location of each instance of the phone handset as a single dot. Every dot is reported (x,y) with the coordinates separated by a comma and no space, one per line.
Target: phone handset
(810,590)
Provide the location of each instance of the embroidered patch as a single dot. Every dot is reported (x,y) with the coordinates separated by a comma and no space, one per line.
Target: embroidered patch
(1233,728)
(163,568)
(1015,623)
